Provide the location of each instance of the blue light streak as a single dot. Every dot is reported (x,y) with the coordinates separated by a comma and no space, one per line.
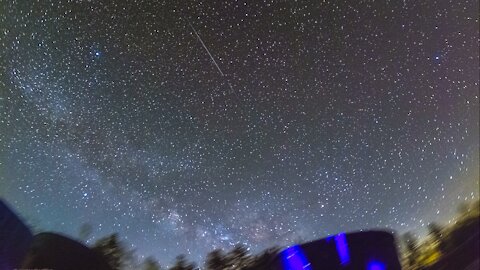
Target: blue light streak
(342,248)
(294,259)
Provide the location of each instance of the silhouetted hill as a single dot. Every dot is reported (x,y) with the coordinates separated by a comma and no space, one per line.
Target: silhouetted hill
(54,251)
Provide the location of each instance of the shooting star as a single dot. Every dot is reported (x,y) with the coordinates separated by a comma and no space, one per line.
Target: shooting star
(211,56)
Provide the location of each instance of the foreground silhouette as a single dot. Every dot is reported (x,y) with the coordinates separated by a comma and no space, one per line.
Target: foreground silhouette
(451,247)
(456,246)
(54,251)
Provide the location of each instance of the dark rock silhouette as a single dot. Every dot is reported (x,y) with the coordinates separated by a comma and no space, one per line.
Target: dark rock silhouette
(54,251)
(15,238)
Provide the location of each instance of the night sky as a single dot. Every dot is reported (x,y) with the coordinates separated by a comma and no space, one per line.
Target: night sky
(187,126)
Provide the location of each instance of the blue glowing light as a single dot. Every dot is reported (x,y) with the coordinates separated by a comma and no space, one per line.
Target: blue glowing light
(294,259)
(375,265)
(342,248)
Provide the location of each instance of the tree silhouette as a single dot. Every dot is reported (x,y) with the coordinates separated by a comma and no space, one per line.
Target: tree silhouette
(150,264)
(238,257)
(411,245)
(435,231)
(263,260)
(215,260)
(112,249)
(181,263)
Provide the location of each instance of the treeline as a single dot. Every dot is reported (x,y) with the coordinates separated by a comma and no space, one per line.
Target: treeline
(120,258)
(443,247)
(453,246)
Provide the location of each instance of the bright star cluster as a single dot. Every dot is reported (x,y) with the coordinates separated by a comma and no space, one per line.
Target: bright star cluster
(282,121)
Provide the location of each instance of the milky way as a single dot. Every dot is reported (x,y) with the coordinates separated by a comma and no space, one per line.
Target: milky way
(324,117)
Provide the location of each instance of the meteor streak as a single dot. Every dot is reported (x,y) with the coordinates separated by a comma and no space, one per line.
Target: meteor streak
(211,56)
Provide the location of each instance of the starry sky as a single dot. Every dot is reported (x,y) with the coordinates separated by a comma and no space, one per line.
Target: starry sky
(191,125)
